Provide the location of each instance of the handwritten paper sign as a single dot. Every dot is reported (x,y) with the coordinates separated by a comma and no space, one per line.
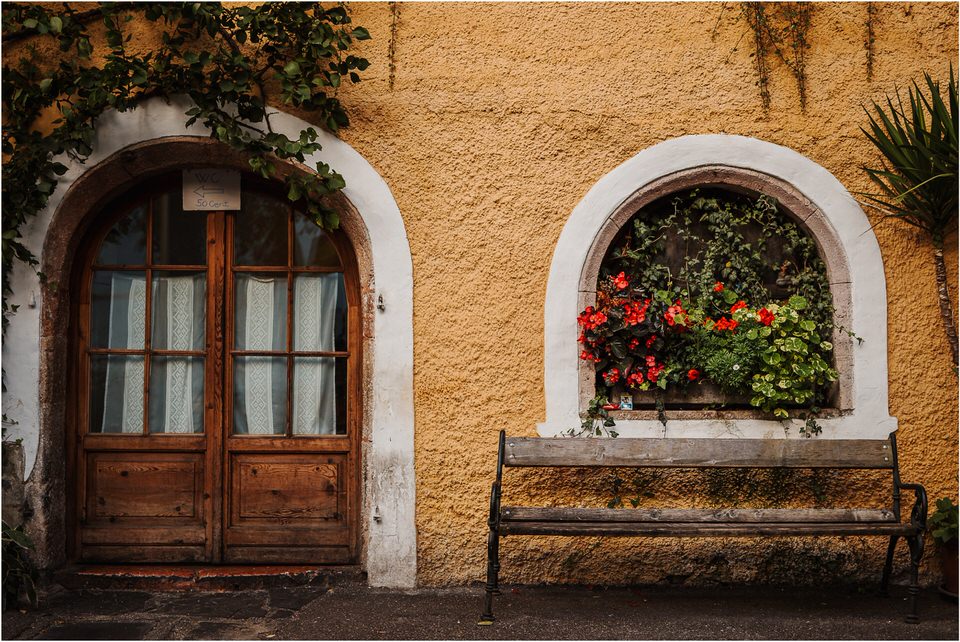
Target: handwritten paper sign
(211,189)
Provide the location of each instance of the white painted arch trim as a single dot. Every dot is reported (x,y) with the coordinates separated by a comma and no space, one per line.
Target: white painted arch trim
(389,483)
(869,417)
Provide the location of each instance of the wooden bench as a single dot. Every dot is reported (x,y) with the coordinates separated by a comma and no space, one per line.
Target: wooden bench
(724,522)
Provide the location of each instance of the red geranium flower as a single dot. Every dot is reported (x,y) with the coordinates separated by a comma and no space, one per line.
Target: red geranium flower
(634,342)
(674,311)
(726,324)
(650,340)
(589,319)
(765,316)
(621,281)
(611,376)
(739,305)
(693,374)
(718,287)
(653,373)
(634,313)
(584,317)
(635,378)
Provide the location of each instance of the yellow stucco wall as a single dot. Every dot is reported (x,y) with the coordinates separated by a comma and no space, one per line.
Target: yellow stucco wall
(500,118)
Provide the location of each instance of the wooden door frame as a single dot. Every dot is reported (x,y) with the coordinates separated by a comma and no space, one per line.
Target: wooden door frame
(216,476)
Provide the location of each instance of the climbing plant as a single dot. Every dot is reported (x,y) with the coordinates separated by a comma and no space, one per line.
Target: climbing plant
(780,28)
(870,39)
(228,59)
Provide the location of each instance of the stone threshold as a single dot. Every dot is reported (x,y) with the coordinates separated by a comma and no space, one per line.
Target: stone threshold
(164,577)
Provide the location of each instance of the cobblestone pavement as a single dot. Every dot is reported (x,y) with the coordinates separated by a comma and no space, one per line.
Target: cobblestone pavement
(353,611)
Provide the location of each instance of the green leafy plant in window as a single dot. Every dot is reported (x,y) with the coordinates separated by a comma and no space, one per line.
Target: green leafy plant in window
(224,58)
(712,286)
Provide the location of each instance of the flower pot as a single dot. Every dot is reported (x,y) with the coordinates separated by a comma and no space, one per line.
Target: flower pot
(699,395)
(948,565)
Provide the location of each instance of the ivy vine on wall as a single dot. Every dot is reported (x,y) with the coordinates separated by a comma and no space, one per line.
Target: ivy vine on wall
(780,28)
(225,58)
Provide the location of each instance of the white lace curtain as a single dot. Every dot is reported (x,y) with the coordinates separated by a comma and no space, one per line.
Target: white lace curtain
(260,382)
(123,389)
(176,383)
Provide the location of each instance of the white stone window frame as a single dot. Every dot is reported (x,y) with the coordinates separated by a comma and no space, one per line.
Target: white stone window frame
(813,196)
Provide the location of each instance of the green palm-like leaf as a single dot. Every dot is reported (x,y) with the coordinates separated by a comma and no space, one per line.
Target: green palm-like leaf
(917,179)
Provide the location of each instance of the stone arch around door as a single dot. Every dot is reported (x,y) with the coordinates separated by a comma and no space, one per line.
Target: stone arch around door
(811,195)
(151,140)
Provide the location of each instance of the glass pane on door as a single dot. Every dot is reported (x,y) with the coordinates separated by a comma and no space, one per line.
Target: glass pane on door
(260,231)
(176,395)
(317,391)
(260,395)
(319,318)
(179,238)
(118,310)
(116,394)
(261,312)
(126,242)
(312,246)
(179,302)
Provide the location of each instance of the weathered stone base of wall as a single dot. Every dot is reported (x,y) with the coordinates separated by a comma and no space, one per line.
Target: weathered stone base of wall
(13,486)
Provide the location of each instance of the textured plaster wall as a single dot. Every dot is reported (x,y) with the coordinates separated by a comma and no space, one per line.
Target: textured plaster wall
(498,119)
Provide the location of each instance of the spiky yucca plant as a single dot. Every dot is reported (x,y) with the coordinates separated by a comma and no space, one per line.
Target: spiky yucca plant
(918,177)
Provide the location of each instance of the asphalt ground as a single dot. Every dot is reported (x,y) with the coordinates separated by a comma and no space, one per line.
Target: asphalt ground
(352,611)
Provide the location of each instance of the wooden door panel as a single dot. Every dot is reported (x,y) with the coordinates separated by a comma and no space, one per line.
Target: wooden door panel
(289,502)
(143,506)
(289,555)
(144,554)
(120,535)
(287,490)
(125,485)
(283,491)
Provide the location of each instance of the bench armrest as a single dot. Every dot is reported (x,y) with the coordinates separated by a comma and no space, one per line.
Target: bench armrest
(918,516)
(495,492)
(494,520)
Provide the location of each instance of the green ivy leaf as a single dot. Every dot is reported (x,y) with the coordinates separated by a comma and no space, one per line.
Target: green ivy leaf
(797,302)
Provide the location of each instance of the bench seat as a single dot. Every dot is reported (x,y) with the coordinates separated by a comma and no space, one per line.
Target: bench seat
(706,522)
(518,520)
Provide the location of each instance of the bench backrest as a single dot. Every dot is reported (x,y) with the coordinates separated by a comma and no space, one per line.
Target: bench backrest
(700,453)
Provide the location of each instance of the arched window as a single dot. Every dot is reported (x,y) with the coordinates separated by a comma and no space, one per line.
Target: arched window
(701,291)
(812,198)
(217,383)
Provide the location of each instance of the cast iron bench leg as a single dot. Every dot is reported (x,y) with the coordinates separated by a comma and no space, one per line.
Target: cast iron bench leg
(493,546)
(493,572)
(888,566)
(916,554)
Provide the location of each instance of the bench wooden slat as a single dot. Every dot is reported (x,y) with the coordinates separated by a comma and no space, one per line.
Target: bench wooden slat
(648,529)
(699,453)
(695,515)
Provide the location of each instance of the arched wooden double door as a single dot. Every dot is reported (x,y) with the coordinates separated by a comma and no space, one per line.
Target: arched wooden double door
(216,384)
